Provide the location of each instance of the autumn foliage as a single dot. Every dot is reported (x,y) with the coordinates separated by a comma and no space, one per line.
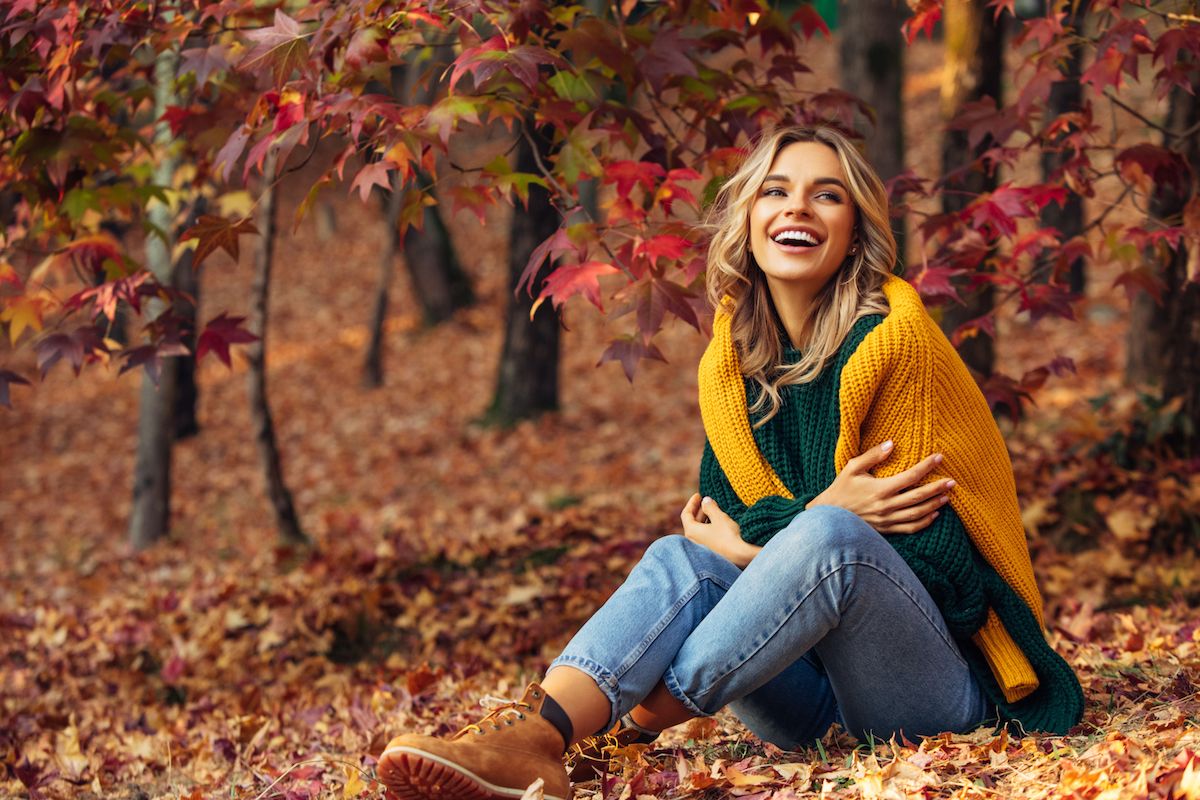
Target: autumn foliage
(221,667)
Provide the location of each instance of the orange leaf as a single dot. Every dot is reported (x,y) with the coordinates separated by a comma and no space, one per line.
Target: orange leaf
(738,778)
(212,232)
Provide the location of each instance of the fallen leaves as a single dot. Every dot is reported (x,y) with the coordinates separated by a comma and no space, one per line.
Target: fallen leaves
(453,564)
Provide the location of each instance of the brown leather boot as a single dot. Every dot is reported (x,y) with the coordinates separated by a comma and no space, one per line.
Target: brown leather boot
(496,758)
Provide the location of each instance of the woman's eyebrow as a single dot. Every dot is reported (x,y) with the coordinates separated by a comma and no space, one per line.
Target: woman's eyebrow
(817,181)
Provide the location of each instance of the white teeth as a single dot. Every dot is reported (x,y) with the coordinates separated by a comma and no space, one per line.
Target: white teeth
(790,237)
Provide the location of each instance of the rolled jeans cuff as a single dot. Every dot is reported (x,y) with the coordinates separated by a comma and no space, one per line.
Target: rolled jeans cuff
(672,684)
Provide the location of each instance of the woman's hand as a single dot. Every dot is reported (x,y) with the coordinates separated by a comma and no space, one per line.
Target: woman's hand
(705,523)
(899,504)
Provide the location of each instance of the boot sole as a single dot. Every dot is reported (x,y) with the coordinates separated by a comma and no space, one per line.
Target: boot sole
(413,774)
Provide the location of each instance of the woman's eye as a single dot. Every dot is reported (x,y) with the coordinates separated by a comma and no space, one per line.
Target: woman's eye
(833,195)
(774,191)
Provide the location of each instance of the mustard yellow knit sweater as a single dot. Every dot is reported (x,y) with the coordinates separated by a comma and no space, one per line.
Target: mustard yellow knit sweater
(904,382)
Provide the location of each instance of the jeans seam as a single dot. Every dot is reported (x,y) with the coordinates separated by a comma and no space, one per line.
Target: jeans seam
(666,619)
(800,601)
(610,681)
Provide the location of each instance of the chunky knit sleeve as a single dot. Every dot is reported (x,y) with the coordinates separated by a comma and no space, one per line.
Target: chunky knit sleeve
(769,516)
(758,522)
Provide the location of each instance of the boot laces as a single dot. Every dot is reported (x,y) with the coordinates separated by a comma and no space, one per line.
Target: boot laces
(503,711)
(599,748)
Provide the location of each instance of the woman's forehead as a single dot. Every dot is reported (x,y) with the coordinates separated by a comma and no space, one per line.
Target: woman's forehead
(807,157)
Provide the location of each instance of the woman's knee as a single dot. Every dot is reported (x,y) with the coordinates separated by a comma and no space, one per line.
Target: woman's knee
(827,532)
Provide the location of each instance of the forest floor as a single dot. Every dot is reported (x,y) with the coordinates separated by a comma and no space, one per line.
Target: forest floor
(452,561)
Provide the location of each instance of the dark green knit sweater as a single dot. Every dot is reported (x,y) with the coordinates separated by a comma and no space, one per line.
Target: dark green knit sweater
(799,443)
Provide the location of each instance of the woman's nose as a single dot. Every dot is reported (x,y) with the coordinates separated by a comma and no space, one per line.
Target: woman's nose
(798,205)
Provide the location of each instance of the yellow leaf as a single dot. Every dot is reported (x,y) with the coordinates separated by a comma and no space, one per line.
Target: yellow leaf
(354,784)
(738,778)
(71,759)
(24,311)
(797,771)
(235,204)
(1189,784)
(1127,524)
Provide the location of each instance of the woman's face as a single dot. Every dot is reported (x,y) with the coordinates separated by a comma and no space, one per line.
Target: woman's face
(802,221)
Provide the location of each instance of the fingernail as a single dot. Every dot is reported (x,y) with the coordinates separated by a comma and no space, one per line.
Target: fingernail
(707,500)
(936,513)
(944,500)
(887,445)
(937,459)
(951,484)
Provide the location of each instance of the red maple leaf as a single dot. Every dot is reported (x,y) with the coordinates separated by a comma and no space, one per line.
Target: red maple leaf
(627,174)
(370,176)
(630,351)
(219,334)
(572,279)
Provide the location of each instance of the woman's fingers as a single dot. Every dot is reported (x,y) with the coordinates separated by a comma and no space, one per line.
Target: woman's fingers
(910,527)
(711,509)
(913,475)
(689,508)
(871,458)
(920,494)
(913,512)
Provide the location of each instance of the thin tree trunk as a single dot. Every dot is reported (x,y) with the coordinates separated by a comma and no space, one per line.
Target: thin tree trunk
(438,279)
(286,521)
(150,515)
(1164,340)
(439,283)
(373,363)
(187,392)
(527,381)
(326,220)
(1066,97)
(872,67)
(974,67)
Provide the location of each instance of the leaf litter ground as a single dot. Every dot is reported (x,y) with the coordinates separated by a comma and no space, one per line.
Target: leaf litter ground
(453,562)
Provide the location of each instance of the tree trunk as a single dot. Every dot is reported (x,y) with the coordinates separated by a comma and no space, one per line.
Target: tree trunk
(872,67)
(438,280)
(326,221)
(527,381)
(149,518)
(974,67)
(1164,340)
(1065,97)
(373,363)
(286,521)
(187,392)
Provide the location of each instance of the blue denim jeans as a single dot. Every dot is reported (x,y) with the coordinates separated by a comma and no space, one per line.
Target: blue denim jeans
(826,623)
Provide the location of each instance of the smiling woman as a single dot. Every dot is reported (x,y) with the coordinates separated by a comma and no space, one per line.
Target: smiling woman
(801,229)
(855,552)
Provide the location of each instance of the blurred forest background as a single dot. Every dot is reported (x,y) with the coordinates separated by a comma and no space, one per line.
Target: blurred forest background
(297,455)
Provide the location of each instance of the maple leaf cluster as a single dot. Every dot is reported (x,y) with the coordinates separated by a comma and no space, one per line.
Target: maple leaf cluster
(653,101)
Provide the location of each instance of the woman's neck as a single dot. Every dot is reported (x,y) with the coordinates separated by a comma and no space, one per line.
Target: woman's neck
(793,308)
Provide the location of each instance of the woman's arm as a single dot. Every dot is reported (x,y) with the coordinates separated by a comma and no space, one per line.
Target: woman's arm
(897,504)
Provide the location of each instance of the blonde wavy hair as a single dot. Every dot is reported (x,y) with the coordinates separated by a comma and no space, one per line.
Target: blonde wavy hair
(735,282)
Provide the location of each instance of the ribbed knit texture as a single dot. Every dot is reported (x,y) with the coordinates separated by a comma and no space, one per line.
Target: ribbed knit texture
(898,377)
